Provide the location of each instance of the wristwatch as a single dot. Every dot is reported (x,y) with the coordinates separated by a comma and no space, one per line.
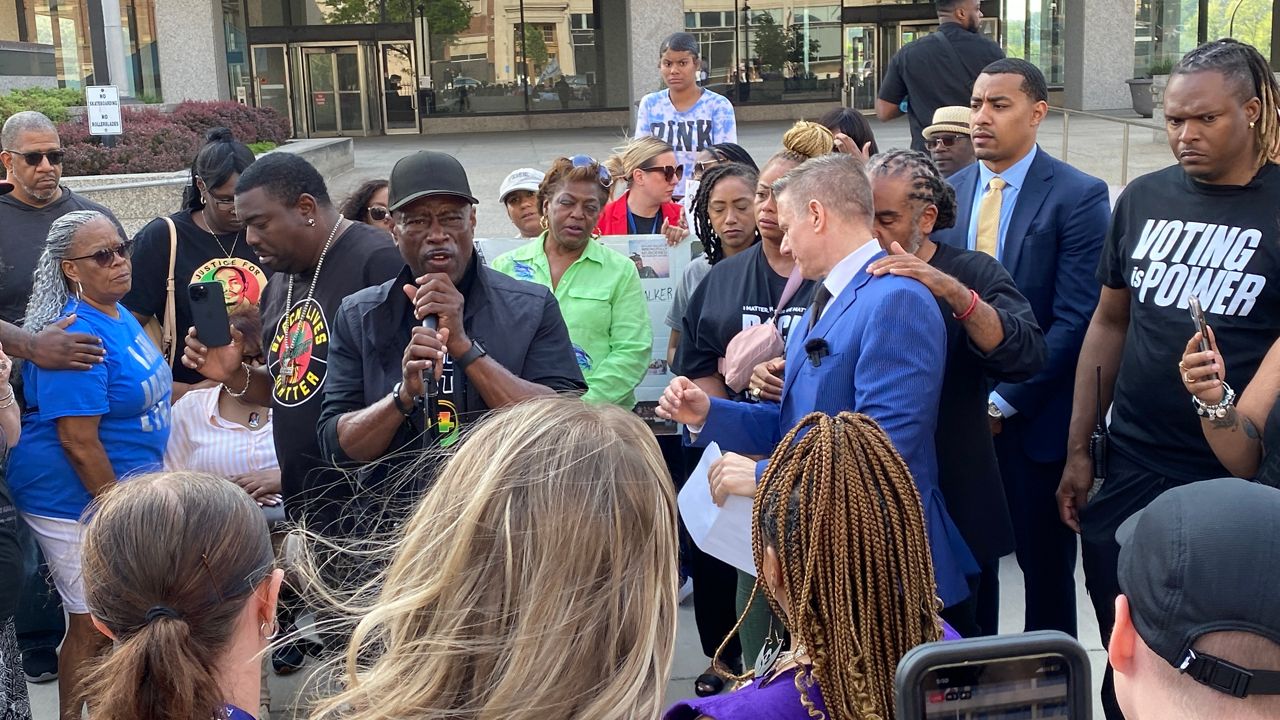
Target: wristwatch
(476,352)
(395,397)
(993,411)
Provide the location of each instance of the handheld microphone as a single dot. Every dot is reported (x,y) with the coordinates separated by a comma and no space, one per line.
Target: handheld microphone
(817,349)
(431,322)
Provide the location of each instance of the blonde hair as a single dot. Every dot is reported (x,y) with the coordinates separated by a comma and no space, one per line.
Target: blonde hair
(633,156)
(838,506)
(537,578)
(803,141)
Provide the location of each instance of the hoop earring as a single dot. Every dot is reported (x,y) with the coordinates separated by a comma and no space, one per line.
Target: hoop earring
(543,222)
(79,291)
(274,632)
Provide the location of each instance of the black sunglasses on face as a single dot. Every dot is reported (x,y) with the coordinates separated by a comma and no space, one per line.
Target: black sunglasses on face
(33,159)
(942,140)
(602,173)
(378,213)
(669,172)
(106,256)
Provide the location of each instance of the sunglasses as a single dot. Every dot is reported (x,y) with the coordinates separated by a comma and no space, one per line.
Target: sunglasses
(942,140)
(669,172)
(602,173)
(33,159)
(106,256)
(378,213)
(701,168)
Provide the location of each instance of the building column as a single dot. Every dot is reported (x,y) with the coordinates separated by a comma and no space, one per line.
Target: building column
(192,48)
(648,24)
(1099,54)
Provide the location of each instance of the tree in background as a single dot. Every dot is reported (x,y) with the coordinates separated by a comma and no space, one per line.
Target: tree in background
(780,48)
(535,49)
(445,18)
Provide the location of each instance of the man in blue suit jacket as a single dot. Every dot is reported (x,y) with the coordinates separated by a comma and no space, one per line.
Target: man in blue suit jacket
(1045,221)
(874,345)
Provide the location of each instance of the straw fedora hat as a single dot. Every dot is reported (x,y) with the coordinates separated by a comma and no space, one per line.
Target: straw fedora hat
(953,119)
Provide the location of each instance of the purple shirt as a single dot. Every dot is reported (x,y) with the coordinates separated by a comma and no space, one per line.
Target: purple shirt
(776,699)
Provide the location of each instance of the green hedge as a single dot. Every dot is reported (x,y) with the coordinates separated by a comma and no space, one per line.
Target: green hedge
(52,102)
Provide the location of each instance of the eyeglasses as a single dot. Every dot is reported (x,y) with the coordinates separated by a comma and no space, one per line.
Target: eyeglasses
(942,140)
(602,173)
(224,203)
(700,168)
(33,159)
(106,256)
(378,213)
(669,172)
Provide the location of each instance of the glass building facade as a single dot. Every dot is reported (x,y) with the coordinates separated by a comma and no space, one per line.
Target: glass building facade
(73,28)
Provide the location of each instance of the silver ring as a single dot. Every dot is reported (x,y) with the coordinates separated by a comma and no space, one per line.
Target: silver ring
(755,393)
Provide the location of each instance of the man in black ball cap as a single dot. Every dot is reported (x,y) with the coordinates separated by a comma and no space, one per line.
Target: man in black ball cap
(488,340)
(1197,630)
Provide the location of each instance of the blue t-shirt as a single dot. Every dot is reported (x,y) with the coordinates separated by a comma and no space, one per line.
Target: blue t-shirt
(129,391)
(710,121)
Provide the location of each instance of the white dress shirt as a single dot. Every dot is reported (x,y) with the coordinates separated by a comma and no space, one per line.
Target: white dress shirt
(842,274)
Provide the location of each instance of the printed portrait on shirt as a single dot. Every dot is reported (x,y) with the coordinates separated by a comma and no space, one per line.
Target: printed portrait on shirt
(242,281)
(298,356)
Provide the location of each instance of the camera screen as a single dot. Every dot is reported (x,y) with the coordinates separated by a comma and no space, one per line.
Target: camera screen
(1025,688)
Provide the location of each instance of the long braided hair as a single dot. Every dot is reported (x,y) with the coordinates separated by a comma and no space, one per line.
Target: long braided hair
(711,243)
(839,508)
(1242,64)
(49,291)
(927,186)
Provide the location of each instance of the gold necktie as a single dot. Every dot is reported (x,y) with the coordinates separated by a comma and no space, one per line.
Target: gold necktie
(989,217)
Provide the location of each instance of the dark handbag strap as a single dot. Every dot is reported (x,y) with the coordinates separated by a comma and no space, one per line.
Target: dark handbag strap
(788,292)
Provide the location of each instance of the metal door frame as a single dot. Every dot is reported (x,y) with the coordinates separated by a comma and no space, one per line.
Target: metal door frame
(876,72)
(305,81)
(380,62)
(288,79)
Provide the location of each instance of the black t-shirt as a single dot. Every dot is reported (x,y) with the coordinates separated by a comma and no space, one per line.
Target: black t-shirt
(200,258)
(932,75)
(362,256)
(1170,237)
(739,292)
(23,231)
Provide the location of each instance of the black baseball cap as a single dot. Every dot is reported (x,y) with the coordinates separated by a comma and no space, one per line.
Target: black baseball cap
(427,173)
(1205,558)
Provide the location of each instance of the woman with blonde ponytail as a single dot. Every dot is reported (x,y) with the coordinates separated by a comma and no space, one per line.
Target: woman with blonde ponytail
(179,572)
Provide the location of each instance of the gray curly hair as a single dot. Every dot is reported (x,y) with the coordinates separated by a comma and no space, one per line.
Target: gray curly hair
(49,290)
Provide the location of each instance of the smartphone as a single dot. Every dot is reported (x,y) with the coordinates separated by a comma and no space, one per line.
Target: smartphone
(209,313)
(1197,316)
(1031,675)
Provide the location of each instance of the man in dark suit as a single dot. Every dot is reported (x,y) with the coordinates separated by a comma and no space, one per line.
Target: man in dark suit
(871,345)
(1045,221)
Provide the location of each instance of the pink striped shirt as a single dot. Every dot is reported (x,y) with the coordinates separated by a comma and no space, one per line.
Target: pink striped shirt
(202,440)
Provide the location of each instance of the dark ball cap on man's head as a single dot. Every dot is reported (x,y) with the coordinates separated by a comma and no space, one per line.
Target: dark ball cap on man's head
(1203,558)
(427,173)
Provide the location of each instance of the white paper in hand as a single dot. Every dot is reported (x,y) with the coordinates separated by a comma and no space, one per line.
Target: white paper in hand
(721,532)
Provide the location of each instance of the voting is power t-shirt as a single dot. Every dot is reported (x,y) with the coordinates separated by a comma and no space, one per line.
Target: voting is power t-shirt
(1172,237)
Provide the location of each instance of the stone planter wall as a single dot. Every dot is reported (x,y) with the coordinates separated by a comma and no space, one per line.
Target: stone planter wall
(138,198)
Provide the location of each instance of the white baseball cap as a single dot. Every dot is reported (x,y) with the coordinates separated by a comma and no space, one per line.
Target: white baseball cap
(522,179)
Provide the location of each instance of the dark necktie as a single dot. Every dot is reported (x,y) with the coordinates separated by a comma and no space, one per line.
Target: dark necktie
(820,299)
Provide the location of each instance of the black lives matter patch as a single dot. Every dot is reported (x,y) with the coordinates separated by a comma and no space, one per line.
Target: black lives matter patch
(298,356)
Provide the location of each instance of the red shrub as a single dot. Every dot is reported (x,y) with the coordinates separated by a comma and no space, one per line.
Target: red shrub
(151,142)
(248,124)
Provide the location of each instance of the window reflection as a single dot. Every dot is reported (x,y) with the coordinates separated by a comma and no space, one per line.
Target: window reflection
(772,51)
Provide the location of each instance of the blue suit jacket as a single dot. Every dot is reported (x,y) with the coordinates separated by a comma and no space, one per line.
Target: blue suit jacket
(887,346)
(1051,249)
